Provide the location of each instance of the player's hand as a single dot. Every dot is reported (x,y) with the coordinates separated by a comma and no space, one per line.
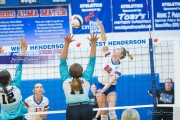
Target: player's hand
(94,119)
(23,43)
(99,22)
(68,39)
(39,110)
(93,38)
(150,94)
(100,91)
(1,49)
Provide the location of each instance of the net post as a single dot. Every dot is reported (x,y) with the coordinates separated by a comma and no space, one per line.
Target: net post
(151,55)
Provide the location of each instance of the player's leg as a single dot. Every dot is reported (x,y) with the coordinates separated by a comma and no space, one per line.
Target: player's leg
(73,113)
(111,98)
(86,112)
(102,99)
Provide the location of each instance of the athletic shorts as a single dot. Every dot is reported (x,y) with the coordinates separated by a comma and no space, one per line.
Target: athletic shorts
(79,111)
(112,88)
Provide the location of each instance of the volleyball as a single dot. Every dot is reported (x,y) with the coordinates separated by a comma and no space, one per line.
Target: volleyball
(76,21)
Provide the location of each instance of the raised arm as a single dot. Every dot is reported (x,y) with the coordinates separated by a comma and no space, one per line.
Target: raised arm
(18,74)
(103,35)
(87,75)
(63,68)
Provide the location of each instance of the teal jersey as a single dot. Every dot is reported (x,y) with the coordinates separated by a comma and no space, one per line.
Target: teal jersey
(14,108)
(78,96)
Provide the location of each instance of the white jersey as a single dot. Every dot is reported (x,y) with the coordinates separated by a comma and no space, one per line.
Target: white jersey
(108,69)
(34,106)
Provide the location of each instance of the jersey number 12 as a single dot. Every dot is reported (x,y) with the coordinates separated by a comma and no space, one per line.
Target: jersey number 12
(9,101)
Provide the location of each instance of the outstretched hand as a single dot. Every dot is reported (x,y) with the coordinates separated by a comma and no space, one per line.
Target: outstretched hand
(99,22)
(23,43)
(1,49)
(93,38)
(68,39)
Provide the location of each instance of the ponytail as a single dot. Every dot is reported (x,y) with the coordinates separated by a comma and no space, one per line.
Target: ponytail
(5,78)
(6,92)
(126,52)
(76,84)
(130,56)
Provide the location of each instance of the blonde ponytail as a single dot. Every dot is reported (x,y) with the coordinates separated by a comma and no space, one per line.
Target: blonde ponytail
(129,55)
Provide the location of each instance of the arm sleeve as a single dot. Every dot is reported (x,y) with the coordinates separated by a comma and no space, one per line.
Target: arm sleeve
(118,73)
(26,102)
(64,73)
(47,104)
(18,74)
(88,73)
(106,54)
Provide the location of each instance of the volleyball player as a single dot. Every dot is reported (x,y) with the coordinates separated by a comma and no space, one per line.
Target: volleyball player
(12,107)
(37,103)
(130,114)
(164,95)
(110,71)
(76,82)
(93,102)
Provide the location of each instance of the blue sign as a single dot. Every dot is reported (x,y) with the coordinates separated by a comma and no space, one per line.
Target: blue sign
(166,15)
(31,2)
(90,10)
(24,59)
(131,15)
(44,25)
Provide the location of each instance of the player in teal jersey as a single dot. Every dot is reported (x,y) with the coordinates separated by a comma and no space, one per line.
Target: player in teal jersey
(76,83)
(12,107)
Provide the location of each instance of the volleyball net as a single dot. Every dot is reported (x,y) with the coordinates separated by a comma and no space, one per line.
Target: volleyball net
(152,64)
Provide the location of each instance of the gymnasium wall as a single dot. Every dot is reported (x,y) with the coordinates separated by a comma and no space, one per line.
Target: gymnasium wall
(131,91)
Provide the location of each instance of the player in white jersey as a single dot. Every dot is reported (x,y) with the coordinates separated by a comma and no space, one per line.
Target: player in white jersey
(12,107)
(37,103)
(110,71)
(76,83)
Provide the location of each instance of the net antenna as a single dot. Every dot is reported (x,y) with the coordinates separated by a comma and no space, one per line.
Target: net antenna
(151,55)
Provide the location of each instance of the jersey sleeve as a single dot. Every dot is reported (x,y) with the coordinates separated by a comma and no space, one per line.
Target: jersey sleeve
(64,73)
(26,102)
(18,74)
(88,73)
(118,72)
(107,54)
(46,104)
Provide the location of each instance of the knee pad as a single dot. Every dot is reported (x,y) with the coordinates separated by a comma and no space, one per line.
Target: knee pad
(104,117)
(112,115)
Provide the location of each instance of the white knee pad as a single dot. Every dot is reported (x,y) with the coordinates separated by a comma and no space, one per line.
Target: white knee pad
(104,117)
(112,115)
